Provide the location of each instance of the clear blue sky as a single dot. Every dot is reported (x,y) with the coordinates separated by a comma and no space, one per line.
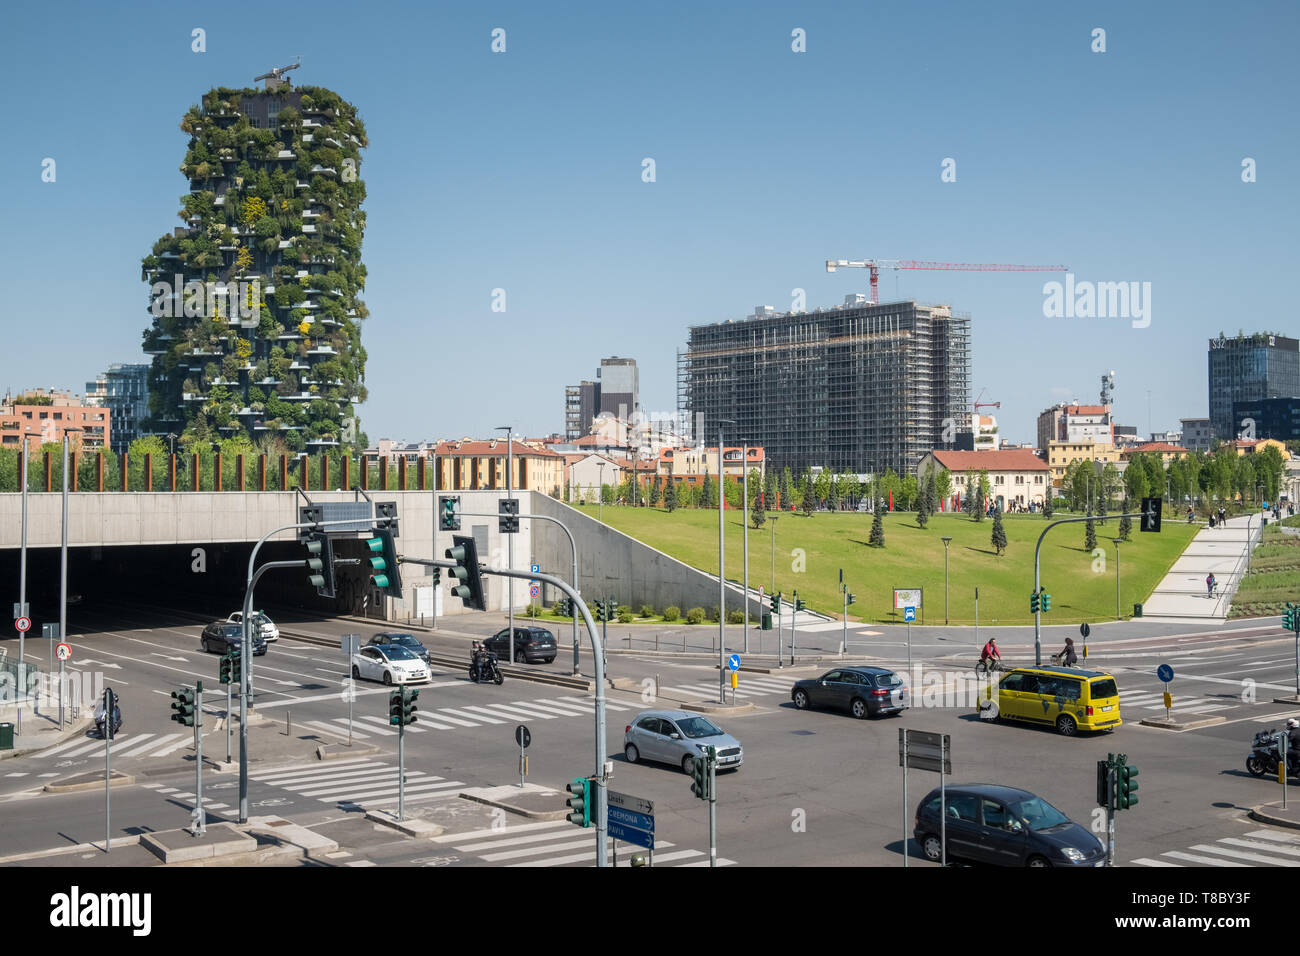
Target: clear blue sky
(522,171)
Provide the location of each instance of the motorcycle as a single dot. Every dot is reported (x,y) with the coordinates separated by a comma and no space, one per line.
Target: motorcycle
(483,666)
(117,720)
(1263,756)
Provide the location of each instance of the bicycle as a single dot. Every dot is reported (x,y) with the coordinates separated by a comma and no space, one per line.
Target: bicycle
(990,666)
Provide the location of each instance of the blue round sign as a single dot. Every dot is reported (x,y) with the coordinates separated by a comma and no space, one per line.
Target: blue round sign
(1165,673)
(734,662)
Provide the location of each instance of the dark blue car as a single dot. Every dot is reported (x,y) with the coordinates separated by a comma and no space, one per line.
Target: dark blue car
(1004,826)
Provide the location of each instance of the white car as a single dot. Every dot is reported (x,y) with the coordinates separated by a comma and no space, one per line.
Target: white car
(390,663)
(270,632)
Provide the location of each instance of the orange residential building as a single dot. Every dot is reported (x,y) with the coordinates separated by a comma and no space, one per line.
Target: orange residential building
(44,416)
(1166,451)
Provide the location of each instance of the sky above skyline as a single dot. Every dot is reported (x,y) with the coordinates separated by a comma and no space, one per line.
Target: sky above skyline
(523,171)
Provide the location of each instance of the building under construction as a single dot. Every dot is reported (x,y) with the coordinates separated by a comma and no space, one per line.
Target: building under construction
(855,388)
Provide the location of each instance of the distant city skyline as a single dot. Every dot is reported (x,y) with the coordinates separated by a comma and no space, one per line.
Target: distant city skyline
(522,171)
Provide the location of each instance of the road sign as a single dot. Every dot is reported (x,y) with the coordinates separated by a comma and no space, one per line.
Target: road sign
(534,591)
(630,818)
(760,592)
(1165,673)
(51,630)
(63,651)
(21,610)
(618,831)
(523,737)
(1084,629)
(909,614)
(350,644)
(23,623)
(923,750)
(625,802)
(734,662)
(535,569)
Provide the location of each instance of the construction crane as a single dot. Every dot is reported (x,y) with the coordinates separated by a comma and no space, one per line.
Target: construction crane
(274,76)
(875,265)
(979,404)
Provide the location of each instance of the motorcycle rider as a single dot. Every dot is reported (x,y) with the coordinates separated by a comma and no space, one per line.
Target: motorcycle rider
(117,716)
(1292,743)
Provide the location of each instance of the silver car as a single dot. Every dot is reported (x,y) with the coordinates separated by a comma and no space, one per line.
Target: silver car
(678,737)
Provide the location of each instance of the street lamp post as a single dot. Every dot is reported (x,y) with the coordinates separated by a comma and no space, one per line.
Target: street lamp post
(510,538)
(744,523)
(722,580)
(600,496)
(63,555)
(22,594)
(1117,541)
(946,542)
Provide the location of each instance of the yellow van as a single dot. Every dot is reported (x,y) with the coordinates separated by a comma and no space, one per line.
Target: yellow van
(1068,699)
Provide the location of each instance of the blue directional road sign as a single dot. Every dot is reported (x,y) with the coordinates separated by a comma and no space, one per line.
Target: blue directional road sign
(734,662)
(630,818)
(1165,673)
(909,614)
(618,831)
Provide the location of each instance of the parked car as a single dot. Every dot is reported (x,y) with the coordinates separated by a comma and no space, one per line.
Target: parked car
(1062,697)
(221,637)
(679,737)
(258,621)
(408,641)
(532,645)
(390,663)
(862,691)
(1004,826)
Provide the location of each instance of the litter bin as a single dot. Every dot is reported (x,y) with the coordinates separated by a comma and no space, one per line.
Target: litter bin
(6,736)
(1137,610)
(767,620)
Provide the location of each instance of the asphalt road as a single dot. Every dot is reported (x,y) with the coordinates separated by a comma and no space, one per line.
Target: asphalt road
(816,789)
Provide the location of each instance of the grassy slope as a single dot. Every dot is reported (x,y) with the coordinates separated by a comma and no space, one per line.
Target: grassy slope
(913,557)
(1274,576)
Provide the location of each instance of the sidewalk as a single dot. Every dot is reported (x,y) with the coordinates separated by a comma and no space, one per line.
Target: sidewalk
(1223,551)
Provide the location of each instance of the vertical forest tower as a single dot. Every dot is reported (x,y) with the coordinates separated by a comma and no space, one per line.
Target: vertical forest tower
(274,215)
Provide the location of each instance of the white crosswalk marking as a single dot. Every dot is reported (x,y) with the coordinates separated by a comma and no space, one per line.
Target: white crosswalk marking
(555,843)
(171,742)
(124,745)
(1256,848)
(477,718)
(371,782)
(122,749)
(334,731)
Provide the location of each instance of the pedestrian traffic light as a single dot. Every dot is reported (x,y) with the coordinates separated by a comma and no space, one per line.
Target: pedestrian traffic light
(468,584)
(1047,602)
(508,515)
(448,506)
(383,562)
(579,803)
(1126,787)
(320,563)
(1033,603)
(386,517)
(183,706)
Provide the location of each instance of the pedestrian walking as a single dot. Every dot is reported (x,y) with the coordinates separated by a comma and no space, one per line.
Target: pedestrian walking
(1210,584)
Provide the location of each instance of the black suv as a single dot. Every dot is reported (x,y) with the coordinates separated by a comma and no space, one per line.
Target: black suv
(407,641)
(532,645)
(863,691)
(222,637)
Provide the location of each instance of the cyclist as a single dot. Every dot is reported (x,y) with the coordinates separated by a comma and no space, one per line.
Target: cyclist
(989,653)
(1067,656)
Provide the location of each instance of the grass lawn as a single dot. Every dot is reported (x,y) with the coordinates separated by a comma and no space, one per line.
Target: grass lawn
(1274,576)
(811,550)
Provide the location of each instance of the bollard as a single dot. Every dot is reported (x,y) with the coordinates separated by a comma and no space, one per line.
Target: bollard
(288,723)
(683,643)
(656,642)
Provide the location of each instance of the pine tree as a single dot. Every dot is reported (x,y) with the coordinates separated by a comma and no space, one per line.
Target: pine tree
(877,538)
(999,534)
(1125,523)
(1089,535)
(670,495)
(923,503)
(656,493)
(1047,502)
(932,490)
(972,504)
(787,488)
(769,491)
(758,517)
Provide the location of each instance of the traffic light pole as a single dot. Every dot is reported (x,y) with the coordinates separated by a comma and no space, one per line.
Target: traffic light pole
(228,721)
(1038,614)
(245,643)
(1111,791)
(199,828)
(713,809)
(401,771)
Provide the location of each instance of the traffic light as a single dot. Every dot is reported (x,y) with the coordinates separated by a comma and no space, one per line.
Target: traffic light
(386,517)
(579,803)
(448,506)
(183,706)
(611,609)
(1151,514)
(508,515)
(1288,616)
(798,604)
(852,597)
(700,772)
(401,707)
(600,610)
(564,608)
(383,562)
(1126,787)
(309,514)
(776,601)
(1047,602)
(437,576)
(468,584)
(1033,603)
(320,563)
(395,708)
(226,672)
(1104,796)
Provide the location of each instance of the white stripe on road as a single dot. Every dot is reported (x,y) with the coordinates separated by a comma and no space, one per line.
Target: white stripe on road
(501,709)
(332,730)
(476,717)
(421,789)
(133,743)
(182,740)
(1260,845)
(1212,861)
(382,731)
(443,715)
(1241,855)
(1145,862)
(76,742)
(495,831)
(383,722)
